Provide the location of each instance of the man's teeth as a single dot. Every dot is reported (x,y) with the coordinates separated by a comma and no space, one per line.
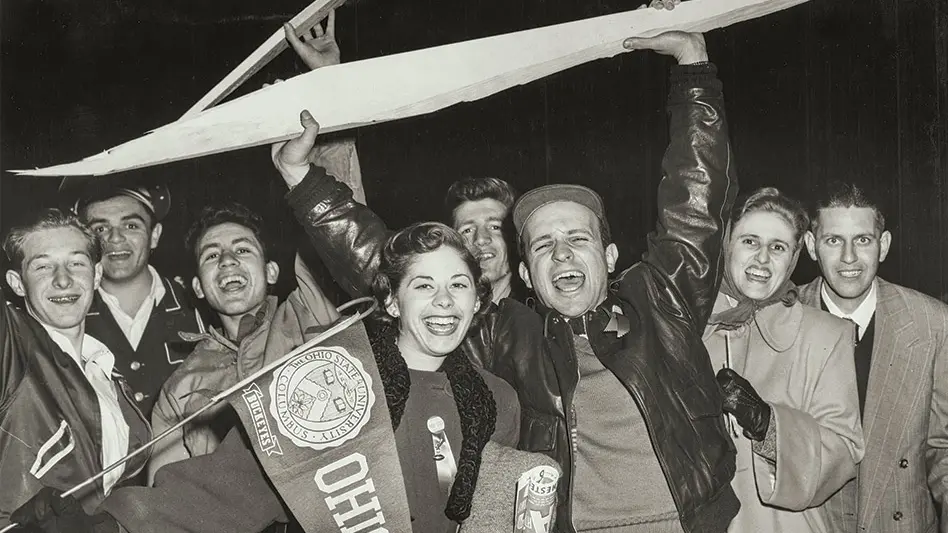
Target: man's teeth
(64,299)
(569,281)
(232,282)
(118,255)
(850,273)
(444,325)
(484,256)
(758,275)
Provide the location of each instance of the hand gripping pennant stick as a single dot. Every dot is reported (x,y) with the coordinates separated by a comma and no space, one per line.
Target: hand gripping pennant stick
(339,326)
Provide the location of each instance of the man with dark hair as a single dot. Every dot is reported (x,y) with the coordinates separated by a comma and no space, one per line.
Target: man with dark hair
(901,360)
(136,312)
(478,209)
(234,273)
(658,458)
(64,413)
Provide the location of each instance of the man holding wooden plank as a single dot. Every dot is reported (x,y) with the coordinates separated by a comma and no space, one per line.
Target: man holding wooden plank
(659,459)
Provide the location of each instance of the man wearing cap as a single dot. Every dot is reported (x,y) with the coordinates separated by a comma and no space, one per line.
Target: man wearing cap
(621,392)
(136,312)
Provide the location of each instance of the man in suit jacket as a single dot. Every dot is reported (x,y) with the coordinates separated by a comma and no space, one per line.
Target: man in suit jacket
(901,372)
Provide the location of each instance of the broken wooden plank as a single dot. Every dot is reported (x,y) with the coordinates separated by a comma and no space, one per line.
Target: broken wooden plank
(408,84)
(265,53)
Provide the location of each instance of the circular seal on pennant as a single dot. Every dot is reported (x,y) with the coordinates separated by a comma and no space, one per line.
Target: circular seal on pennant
(321,398)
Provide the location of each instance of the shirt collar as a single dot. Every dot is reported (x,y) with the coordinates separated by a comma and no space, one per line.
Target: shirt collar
(862,315)
(92,350)
(156,293)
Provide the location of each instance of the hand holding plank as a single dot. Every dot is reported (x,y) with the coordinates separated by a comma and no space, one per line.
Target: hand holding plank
(686,48)
(291,158)
(321,50)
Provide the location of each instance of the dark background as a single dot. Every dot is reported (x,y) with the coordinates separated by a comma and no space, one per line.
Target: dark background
(832,89)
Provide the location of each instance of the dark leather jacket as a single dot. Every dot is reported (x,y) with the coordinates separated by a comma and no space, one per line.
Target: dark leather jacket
(50,425)
(667,297)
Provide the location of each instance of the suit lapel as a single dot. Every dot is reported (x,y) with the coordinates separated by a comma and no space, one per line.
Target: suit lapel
(888,397)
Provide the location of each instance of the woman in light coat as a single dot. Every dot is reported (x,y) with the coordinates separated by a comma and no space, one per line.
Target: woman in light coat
(787,374)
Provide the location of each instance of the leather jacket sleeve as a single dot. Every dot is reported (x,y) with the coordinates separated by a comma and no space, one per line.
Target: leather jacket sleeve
(347,235)
(14,333)
(695,195)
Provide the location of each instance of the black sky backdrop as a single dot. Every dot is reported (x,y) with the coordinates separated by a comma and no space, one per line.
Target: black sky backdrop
(829,89)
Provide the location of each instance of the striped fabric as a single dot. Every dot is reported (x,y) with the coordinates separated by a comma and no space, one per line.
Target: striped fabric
(905,469)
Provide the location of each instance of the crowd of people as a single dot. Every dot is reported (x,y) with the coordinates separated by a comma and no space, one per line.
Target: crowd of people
(698,391)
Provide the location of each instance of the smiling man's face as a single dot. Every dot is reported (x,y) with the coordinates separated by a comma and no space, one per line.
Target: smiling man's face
(57,277)
(849,248)
(566,262)
(233,274)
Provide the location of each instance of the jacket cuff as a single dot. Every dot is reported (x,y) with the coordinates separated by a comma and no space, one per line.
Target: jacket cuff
(696,76)
(316,187)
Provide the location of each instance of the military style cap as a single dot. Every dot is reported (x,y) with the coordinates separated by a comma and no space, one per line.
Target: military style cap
(76,193)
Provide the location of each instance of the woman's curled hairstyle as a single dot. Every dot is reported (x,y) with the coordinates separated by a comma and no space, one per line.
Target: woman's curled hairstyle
(772,200)
(404,246)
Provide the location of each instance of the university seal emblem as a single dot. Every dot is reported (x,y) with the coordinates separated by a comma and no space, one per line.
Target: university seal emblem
(321,398)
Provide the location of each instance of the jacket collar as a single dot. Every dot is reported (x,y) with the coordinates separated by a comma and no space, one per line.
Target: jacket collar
(778,324)
(213,334)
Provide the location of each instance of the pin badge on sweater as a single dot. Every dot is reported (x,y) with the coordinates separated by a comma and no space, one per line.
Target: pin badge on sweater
(444,459)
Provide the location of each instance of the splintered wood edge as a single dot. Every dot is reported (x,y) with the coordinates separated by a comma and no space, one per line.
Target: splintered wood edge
(262,56)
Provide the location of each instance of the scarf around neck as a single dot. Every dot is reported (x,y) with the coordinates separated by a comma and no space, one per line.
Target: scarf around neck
(746,308)
(474,400)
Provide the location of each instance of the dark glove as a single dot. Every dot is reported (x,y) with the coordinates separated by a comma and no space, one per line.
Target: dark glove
(742,401)
(48,512)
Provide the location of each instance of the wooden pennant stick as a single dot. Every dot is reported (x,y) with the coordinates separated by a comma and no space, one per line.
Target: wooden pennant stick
(221,396)
(408,84)
(265,53)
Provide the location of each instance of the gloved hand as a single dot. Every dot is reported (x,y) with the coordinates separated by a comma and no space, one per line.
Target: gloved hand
(48,512)
(742,401)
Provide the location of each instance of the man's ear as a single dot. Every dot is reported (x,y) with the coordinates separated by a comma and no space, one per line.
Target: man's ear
(612,255)
(196,286)
(156,235)
(273,272)
(15,281)
(810,241)
(885,241)
(391,307)
(525,275)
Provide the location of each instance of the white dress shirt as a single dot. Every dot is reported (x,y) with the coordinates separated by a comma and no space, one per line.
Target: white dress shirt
(134,326)
(862,316)
(96,362)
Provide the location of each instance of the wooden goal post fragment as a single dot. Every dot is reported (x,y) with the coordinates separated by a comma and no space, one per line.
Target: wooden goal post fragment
(407,84)
(265,53)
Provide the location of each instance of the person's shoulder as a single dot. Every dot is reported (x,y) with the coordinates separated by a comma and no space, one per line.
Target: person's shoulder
(822,324)
(915,300)
(927,312)
(502,391)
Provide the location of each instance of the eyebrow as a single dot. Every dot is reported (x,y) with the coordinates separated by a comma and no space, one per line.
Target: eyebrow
(133,216)
(215,244)
(569,233)
(83,253)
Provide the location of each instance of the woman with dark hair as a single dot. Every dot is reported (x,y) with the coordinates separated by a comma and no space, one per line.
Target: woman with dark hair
(444,410)
(787,374)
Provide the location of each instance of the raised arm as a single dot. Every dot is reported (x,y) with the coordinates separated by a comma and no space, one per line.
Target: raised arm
(699,185)
(347,235)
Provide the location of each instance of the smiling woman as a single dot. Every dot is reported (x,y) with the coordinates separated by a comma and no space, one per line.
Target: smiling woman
(769,345)
(432,292)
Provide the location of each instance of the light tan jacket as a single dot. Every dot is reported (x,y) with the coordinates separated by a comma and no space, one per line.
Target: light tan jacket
(800,361)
